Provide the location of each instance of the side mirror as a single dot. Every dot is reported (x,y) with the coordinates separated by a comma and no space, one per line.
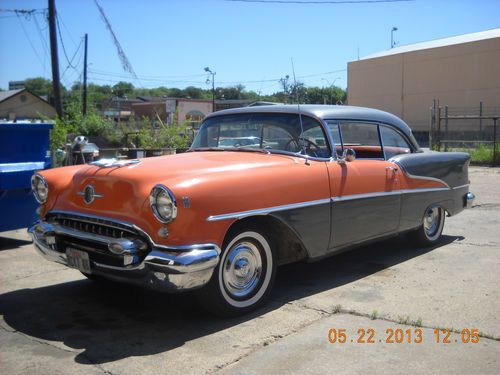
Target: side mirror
(348,155)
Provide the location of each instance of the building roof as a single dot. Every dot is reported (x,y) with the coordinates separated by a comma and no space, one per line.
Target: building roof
(460,39)
(4,95)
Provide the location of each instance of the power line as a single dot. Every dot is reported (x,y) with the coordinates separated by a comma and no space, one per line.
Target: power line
(62,42)
(29,39)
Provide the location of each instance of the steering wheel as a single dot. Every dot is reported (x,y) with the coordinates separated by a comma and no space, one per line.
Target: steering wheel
(311,148)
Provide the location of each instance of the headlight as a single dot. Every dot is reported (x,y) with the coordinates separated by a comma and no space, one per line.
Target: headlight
(163,204)
(40,188)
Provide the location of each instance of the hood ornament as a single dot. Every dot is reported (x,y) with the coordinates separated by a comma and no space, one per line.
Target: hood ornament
(114,163)
(89,194)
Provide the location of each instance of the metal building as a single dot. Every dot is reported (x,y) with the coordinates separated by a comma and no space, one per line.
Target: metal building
(459,72)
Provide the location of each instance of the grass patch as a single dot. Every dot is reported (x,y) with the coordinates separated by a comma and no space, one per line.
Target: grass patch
(481,154)
(374,315)
(337,309)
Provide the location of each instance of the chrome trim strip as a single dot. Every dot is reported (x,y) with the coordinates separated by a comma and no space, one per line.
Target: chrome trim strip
(423,190)
(265,211)
(460,187)
(364,196)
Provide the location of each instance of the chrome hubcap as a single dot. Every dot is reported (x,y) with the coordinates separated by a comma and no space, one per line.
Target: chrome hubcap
(242,269)
(431,221)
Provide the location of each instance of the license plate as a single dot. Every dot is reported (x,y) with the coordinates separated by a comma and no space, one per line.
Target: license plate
(78,259)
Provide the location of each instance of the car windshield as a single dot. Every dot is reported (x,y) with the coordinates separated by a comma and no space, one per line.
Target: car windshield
(278,132)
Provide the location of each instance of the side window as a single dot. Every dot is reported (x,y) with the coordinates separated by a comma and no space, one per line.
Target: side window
(394,143)
(362,138)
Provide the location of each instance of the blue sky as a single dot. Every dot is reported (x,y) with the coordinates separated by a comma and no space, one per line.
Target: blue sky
(170,42)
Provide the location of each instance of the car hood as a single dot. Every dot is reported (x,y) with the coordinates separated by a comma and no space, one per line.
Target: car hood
(124,190)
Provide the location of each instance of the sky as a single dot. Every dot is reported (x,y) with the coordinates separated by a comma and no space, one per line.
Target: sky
(170,42)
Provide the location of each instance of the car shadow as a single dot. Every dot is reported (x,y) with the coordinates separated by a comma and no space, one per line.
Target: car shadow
(7,243)
(114,322)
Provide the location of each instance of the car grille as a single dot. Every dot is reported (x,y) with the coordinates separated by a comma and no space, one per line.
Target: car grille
(93,225)
(98,252)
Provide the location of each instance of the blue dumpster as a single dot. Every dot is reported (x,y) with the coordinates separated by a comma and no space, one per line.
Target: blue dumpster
(24,149)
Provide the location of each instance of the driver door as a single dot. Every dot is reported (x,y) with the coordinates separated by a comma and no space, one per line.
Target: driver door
(365,192)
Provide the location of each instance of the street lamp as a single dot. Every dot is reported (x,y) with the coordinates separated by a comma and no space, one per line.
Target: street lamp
(392,36)
(207,69)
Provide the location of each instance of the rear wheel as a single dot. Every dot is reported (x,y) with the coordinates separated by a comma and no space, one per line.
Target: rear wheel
(432,227)
(244,276)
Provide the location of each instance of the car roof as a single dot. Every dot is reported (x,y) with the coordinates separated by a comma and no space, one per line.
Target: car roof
(328,112)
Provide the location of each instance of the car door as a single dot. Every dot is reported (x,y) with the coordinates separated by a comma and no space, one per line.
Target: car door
(365,192)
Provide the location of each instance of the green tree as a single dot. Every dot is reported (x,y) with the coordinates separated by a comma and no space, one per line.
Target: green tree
(39,86)
(122,89)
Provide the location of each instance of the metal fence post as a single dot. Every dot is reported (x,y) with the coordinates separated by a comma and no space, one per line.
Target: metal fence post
(432,123)
(481,118)
(495,141)
(446,127)
(438,129)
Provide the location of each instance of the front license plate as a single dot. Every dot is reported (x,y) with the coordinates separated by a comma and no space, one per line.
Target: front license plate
(78,259)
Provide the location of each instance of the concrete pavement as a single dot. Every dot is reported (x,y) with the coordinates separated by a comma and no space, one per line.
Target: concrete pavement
(54,321)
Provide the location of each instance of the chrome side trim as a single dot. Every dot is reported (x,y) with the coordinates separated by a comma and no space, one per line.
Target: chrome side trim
(423,190)
(265,211)
(364,196)
(460,187)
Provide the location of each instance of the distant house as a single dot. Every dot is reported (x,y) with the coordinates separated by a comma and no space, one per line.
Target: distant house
(119,109)
(17,105)
(174,111)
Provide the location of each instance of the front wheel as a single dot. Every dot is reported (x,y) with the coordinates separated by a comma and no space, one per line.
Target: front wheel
(244,276)
(432,227)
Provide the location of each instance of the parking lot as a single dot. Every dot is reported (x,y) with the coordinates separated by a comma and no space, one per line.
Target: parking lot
(55,321)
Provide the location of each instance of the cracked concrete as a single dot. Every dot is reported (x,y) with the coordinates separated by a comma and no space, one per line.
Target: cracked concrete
(54,321)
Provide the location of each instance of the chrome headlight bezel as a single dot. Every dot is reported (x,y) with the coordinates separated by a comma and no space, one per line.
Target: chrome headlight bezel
(169,203)
(40,188)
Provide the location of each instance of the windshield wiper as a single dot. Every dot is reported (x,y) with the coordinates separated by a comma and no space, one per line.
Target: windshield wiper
(206,149)
(238,149)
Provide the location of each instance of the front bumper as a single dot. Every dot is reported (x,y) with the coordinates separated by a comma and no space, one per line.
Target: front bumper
(164,269)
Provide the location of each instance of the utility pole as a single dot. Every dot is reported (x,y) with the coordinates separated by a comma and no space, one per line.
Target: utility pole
(84,94)
(54,57)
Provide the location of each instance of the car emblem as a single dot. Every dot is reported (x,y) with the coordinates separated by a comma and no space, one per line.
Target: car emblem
(89,194)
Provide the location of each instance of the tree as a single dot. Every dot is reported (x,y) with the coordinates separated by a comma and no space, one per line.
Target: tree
(122,89)
(39,86)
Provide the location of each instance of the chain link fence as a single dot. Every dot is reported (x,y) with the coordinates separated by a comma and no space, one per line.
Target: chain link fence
(473,130)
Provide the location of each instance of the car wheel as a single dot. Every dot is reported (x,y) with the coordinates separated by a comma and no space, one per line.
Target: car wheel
(244,276)
(432,227)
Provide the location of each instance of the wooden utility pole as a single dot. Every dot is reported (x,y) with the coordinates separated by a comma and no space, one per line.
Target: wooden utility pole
(84,94)
(54,57)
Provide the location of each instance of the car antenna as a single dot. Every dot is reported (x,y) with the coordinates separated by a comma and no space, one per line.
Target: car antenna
(301,138)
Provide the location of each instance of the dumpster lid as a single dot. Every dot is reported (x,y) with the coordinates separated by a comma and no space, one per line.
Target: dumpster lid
(20,167)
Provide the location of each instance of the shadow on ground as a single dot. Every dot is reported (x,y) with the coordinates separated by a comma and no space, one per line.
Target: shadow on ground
(11,243)
(111,323)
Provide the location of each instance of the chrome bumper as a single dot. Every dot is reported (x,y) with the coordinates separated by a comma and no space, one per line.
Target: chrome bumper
(165,269)
(469,199)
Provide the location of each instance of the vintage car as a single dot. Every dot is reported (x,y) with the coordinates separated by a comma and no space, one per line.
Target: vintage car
(220,219)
